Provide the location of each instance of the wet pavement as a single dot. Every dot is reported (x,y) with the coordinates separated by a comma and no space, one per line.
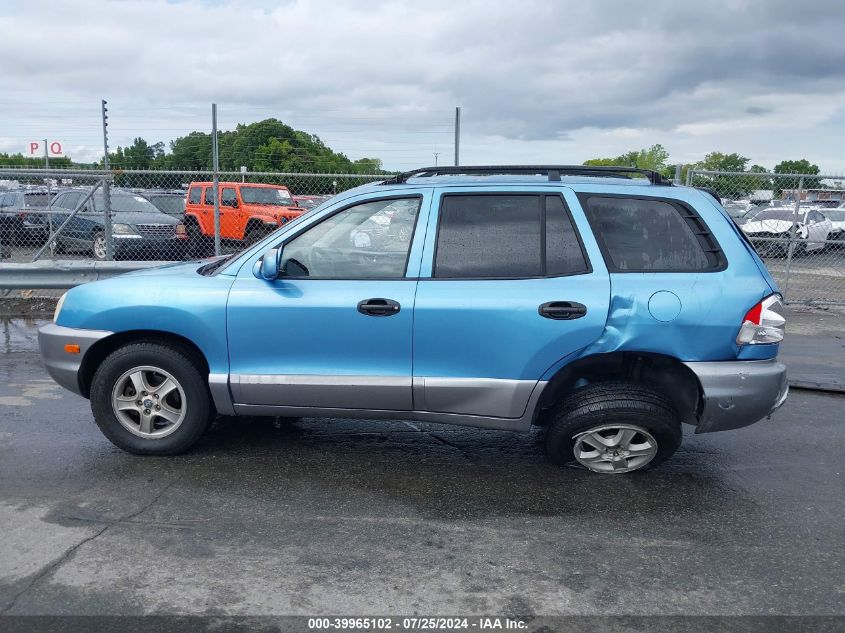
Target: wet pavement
(331,516)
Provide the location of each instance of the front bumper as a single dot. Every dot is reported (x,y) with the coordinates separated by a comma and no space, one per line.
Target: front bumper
(62,366)
(738,393)
(142,247)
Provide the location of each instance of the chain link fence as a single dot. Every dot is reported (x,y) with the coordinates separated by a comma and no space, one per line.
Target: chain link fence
(151,215)
(796,222)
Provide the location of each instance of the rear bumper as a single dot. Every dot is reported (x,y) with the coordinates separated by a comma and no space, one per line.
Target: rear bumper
(62,366)
(738,393)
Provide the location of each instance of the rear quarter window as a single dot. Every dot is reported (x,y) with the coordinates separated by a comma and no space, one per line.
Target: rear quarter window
(651,235)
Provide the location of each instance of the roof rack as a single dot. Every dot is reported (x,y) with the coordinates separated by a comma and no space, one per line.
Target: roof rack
(554,172)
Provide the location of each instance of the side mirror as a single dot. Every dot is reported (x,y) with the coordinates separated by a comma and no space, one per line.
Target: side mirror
(270,264)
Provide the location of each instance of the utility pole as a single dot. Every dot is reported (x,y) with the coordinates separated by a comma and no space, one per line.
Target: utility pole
(106,190)
(105,133)
(436,154)
(47,181)
(215,179)
(457,136)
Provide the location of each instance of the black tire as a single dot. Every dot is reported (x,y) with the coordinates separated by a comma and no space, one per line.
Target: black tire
(199,245)
(607,403)
(183,366)
(255,234)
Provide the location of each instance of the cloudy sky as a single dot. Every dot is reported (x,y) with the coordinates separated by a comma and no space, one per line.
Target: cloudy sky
(538,82)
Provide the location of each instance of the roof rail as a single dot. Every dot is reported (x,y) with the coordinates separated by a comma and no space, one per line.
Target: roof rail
(554,172)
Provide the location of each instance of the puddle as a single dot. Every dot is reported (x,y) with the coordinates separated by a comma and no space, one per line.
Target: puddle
(19,334)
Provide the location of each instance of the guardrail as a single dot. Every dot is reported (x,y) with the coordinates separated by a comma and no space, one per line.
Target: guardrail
(63,273)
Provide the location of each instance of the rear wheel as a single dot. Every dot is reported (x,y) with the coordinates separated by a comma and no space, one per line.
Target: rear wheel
(150,398)
(98,245)
(614,427)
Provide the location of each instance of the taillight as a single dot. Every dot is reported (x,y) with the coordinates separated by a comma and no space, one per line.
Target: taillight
(764,323)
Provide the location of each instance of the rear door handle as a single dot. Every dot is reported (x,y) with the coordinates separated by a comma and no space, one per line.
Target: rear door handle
(379,307)
(562,310)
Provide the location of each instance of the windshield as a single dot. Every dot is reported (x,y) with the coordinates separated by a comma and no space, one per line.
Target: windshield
(836,215)
(172,205)
(266,195)
(126,203)
(777,214)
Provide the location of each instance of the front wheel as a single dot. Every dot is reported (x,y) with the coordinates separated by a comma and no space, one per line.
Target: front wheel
(98,245)
(150,398)
(614,427)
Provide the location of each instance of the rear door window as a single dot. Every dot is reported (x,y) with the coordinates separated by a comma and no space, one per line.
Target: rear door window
(506,236)
(493,236)
(651,235)
(209,195)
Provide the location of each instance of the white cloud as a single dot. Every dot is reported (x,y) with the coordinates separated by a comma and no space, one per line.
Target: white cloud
(536,79)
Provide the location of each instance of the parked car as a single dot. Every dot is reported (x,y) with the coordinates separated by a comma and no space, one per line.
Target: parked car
(608,308)
(248,211)
(737,210)
(837,222)
(10,229)
(139,229)
(29,207)
(310,202)
(170,202)
(771,228)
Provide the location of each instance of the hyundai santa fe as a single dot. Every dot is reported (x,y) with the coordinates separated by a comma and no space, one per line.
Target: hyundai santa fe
(604,304)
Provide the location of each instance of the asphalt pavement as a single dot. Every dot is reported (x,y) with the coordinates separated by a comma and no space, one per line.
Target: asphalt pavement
(352,517)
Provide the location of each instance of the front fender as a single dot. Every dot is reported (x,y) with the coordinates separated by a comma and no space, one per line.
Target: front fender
(167,299)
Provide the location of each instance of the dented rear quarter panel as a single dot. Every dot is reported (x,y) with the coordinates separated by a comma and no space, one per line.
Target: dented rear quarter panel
(712,304)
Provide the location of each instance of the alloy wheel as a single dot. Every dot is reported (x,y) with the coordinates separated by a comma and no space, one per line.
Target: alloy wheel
(149,402)
(614,448)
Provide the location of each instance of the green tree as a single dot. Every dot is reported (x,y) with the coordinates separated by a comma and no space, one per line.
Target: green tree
(717,161)
(802,166)
(655,157)
(19,160)
(727,186)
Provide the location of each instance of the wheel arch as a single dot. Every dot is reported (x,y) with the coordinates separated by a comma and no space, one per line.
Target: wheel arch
(258,222)
(102,348)
(659,371)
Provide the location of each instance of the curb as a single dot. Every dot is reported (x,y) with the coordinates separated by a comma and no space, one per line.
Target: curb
(806,385)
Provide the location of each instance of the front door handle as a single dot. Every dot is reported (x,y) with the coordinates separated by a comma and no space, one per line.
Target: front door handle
(562,310)
(379,307)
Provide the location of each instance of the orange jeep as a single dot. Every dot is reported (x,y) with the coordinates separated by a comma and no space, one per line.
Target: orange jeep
(248,211)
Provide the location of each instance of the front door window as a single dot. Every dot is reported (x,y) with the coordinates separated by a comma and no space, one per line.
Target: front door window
(365,241)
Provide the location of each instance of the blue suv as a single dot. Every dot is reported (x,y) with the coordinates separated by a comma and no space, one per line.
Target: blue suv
(603,303)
